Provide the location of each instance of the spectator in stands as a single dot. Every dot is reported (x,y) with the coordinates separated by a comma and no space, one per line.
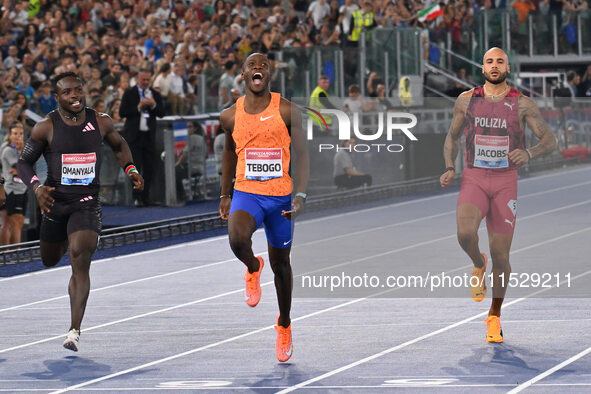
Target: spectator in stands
(345,175)
(176,93)
(191,163)
(356,103)
(44,101)
(318,10)
(15,189)
(227,83)
(234,95)
(585,86)
(162,85)
(140,106)
(218,149)
(346,16)
(572,81)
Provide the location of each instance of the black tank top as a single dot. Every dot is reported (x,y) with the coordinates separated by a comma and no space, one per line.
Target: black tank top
(74,157)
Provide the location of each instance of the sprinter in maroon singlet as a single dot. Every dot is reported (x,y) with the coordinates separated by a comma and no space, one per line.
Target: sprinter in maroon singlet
(492,118)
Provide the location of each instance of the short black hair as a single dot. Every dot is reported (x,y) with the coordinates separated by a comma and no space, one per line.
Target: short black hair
(61,76)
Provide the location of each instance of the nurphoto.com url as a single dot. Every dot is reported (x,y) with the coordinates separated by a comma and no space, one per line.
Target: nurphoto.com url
(433,282)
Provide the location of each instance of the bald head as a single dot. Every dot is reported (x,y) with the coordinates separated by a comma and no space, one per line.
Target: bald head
(494,53)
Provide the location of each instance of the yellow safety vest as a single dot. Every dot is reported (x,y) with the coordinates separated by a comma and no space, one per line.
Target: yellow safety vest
(360,22)
(317,104)
(404,92)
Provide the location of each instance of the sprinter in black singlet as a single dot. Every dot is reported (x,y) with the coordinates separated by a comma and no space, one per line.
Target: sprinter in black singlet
(70,139)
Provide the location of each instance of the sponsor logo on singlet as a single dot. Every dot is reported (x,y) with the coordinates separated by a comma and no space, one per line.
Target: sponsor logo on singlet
(78,168)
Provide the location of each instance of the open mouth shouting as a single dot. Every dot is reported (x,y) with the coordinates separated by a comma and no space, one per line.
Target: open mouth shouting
(257,79)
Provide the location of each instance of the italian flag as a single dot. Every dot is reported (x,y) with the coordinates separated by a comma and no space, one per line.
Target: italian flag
(430,13)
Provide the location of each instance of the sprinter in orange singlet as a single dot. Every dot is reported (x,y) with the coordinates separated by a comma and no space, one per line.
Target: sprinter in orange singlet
(259,128)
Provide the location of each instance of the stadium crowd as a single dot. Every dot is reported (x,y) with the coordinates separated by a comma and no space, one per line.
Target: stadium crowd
(109,42)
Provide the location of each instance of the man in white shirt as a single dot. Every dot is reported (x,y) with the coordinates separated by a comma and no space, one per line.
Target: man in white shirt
(176,92)
(318,10)
(346,15)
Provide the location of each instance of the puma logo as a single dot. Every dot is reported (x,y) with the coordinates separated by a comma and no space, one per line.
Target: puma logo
(509,105)
(510,222)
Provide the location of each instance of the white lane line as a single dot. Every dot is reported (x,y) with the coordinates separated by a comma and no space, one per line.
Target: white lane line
(413,341)
(549,372)
(199,349)
(173,357)
(351,234)
(311,221)
(311,272)
(121,284)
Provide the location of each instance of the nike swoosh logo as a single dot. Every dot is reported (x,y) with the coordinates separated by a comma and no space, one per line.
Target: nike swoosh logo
(290,351)
(287,243)
(268,117)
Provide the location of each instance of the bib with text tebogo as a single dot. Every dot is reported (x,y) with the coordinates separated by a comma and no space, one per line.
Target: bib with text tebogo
(263,164)
(491,151)
(78,168)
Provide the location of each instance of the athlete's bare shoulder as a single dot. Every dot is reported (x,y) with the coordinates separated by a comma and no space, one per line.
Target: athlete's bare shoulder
(462,102)
(43,130)
(104,121)
(227,118)
(467,93)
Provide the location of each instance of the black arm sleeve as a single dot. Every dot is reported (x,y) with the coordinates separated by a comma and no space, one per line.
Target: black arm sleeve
(31,153)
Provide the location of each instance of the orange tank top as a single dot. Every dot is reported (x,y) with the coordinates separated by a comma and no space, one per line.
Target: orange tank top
(262,146)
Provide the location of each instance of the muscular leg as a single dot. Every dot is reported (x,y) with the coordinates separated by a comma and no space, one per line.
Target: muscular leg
(4,229)
(500,245)
(241,226)
(280,264)
(16,227)
(52,252)
(82,245)
(469,218)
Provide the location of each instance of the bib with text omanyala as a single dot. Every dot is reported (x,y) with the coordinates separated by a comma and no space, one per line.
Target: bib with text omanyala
(78,168)
(263,164)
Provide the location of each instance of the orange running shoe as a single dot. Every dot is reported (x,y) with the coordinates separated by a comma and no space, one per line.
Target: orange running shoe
(478,292)
(283,346)
(494,333)
(252,293)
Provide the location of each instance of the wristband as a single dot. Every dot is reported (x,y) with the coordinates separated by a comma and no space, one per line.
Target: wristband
(302,195)
(450,169)
(529,154)
(130,169)
(225,196)
(2,181)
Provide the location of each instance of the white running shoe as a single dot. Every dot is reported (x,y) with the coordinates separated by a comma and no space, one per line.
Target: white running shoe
(72,341)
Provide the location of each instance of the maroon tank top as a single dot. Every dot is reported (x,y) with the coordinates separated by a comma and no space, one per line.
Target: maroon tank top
(493,130)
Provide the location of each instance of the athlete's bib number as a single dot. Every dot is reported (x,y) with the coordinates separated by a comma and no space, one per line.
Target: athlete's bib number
(263,164)
(491,151)
(78,168)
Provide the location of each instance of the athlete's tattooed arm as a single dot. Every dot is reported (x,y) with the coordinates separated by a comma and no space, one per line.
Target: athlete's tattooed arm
(451,146)
(532,116)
